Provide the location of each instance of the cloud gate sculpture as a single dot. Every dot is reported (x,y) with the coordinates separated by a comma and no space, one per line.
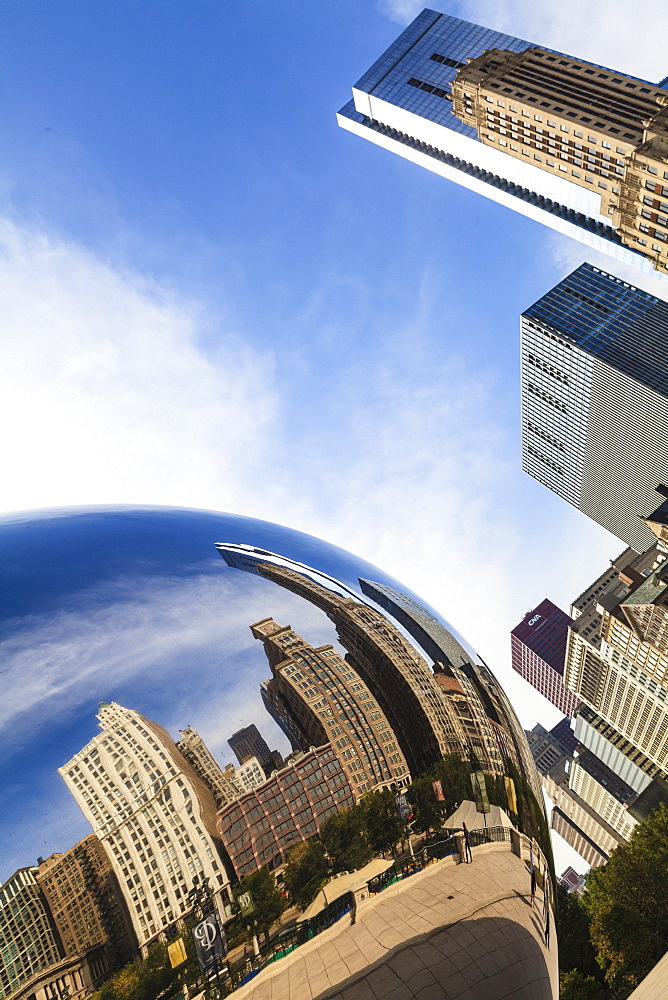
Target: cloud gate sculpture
(239,761)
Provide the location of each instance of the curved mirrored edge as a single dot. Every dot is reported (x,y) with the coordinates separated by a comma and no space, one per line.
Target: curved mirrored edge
(399,721)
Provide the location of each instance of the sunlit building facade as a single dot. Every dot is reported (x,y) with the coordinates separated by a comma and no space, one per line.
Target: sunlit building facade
(567,143)
(88,907)
(287,809)
(29,941)
(154,816)
(317,695)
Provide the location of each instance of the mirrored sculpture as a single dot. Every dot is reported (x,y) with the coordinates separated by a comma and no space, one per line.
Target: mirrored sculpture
(239,761)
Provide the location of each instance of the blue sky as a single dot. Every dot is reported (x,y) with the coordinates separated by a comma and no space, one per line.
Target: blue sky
(214,297)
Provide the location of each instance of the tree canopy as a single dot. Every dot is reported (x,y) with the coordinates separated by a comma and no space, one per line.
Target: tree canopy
(268,901)
(627,904)
(305,873)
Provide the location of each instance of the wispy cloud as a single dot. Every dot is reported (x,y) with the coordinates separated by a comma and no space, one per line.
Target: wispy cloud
(108,388)
(601,32)
(400,11)
(135,633)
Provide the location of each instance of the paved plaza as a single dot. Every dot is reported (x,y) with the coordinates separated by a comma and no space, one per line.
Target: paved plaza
(451,931)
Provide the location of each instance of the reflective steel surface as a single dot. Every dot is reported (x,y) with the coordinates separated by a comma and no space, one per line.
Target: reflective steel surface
(127,631)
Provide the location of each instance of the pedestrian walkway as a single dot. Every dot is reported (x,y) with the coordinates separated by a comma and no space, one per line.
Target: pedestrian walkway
(451,932)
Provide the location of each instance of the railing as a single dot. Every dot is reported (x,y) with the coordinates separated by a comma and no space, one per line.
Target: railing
(489,835)
(409,866)
(226,982)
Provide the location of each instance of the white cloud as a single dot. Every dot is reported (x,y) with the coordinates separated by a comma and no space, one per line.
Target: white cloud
(605,33)
(400,11)
(106,389)
(408,462)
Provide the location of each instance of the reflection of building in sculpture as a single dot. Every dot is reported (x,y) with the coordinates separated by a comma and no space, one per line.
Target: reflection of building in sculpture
(153,814)
(557,139)
(29,941)
(493,727)
(248,742)
(538,648)
(288,808)
(622,677)
(198,755)
(594,376)
(88,907)
(399,679)
(249,775)
(319,698)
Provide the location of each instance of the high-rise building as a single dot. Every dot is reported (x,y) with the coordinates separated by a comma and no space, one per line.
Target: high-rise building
(657,521)
(580,825)
(493,727)
(538,650)
(261,826)
(603,790)
(621,756)
(550,749)
(88,907)
(624,678)
(196,752)
(154,816)
(594,375)
(29,943)
(423,721)
(248,742)
(570,144)
(320,697)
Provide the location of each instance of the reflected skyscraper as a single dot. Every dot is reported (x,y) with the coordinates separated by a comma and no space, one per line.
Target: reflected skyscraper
(570,144)
(319,696)
(425,724)
(198,755)
(153,814)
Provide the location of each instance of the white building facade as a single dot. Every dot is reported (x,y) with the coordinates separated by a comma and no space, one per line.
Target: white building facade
(154,816)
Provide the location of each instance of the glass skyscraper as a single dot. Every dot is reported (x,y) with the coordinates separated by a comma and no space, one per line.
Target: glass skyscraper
(594,357)
(556,140)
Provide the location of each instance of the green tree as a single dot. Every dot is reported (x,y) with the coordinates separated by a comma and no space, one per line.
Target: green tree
(627,903)
(453,773)
(305,873)
(147,980)
(574,985)
(268,902)
(575,948)
(345,839)
(383,826)
(428,811)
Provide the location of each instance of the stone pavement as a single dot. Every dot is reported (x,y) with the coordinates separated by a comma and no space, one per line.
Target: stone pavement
(451,932)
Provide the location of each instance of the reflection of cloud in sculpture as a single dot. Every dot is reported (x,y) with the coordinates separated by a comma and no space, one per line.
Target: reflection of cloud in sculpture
(155,643)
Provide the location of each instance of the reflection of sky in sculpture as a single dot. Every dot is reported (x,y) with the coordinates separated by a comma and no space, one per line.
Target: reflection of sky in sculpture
(135,606)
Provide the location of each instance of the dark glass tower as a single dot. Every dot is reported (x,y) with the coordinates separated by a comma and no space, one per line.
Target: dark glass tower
(248,742)
(595,399)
